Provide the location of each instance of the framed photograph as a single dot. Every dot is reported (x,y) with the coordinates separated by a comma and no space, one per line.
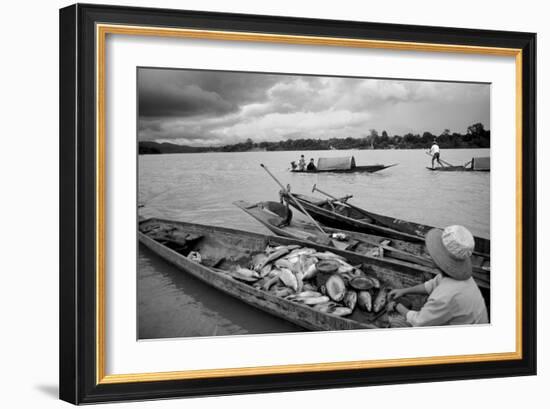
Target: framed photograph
(257,203)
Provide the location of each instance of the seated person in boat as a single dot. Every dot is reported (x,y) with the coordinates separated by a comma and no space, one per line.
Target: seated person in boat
(434,151)
(311,165)
(293,165)
(453,295)
(302,163)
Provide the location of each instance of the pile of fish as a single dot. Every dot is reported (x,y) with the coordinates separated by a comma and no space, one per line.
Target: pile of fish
(290,272)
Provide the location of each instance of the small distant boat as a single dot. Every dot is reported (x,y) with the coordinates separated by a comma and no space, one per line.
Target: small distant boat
(212,253)
(344,164)
(476,164)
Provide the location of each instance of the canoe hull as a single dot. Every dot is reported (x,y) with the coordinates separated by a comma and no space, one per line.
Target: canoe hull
(456,169)
(377,224)
(357,169)
(404,251)
(338,221)
(394,274)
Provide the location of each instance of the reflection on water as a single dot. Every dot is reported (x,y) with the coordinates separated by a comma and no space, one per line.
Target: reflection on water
(200,188)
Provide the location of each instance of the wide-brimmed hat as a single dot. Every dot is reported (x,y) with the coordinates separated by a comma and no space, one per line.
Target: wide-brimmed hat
(451,250)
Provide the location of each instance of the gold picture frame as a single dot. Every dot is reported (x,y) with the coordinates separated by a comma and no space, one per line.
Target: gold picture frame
(97,20)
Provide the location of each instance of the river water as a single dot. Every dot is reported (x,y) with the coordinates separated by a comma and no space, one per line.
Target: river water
(200,188)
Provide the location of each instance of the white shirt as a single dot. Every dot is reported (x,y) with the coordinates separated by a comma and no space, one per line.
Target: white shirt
(434,149)
(450,302)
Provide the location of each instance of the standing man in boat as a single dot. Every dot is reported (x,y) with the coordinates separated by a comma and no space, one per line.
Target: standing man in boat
(302,163)
(434,151)
(453,295)
(311,165)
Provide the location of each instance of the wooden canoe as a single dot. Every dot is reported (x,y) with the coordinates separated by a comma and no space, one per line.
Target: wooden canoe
(479,164)
(356,169)
(272,216)
(347,216)
(456,169)
(223,248)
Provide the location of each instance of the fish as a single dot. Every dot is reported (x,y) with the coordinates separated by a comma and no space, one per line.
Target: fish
(244,274)
(272,249)
(341,311)
(266,270)
(260,282)
(305,251)
(315,300)
(380,300)
(309,267)
(327,255)
(364,301)
(270,282)
(310,272)
(375,282)
(344,267)
(346,277)
(288,278)
(325,307)
(293,259)
(283,292)
(258,260)
(283,263)
(357,272)
(299,264)
(309,287)
(361,283)
(350,299)
(309,293)
(336,288)
(273,256)
(299,281)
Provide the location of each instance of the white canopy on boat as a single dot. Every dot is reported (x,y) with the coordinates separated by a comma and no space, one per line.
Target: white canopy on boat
(342,163)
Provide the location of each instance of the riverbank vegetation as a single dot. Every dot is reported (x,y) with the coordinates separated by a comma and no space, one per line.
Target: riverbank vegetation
(476,136)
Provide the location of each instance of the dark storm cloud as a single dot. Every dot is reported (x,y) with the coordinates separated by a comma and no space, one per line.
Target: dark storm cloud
(211,107)
(183,93)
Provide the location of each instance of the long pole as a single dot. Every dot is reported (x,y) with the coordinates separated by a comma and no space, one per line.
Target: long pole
(316,189)
(441,160)
(285,190)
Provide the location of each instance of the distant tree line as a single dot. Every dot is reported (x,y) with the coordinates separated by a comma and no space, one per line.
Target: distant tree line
(476,136)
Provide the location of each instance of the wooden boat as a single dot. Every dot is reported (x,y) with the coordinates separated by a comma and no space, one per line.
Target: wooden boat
(273,216)
(342,165)
(342,215)
(475,165)
(221,249)
(449,169)
(356,169)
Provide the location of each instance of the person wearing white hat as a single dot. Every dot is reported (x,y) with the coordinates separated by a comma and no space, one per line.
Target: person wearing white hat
(453,296)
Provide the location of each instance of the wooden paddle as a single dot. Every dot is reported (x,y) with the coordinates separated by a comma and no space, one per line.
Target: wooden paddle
(441,160)
(287,191)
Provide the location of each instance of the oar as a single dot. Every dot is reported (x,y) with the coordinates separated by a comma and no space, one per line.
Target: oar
(441,160)
(285,190)
(341,200)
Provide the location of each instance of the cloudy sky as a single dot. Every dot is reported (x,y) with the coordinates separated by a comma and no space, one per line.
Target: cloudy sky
(204,108)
